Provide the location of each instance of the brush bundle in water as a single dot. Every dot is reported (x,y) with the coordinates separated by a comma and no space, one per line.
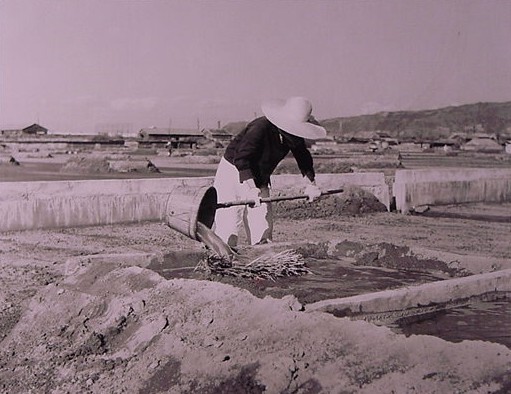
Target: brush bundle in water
(268,266)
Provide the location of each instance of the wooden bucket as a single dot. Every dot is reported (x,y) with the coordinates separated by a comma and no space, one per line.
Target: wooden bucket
(187,205)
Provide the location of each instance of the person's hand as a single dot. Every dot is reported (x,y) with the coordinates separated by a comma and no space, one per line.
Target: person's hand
(251,193)
(254,194)
(312,191)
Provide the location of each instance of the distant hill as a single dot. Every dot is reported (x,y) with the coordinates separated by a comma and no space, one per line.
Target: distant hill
(425,125)
(489,118)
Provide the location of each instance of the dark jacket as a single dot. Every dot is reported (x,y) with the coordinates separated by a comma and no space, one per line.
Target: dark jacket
(261,146)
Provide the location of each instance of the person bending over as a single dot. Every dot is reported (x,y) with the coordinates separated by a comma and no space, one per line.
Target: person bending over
(251,157)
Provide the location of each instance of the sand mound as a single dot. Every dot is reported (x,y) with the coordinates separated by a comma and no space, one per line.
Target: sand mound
(109,328)
(353,201)
(99,164)
(86,165)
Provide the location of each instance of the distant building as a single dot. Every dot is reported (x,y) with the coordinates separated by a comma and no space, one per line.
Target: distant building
(34,129)
(483,143)
(460,138)
(445,143)
(11,132)
(323,143)
(218,135)
(484,135)
(504,138)
(177,137)
(363,137)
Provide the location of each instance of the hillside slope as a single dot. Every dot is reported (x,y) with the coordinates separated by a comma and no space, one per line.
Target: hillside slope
(490,118)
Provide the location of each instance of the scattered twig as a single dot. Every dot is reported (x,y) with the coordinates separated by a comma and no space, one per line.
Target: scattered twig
(267,266)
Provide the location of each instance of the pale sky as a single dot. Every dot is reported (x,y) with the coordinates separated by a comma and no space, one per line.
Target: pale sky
(78,65)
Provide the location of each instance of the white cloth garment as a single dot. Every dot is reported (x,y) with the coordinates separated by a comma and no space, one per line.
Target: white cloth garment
(257,221)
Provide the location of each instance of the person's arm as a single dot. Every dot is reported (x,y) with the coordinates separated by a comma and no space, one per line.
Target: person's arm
(305,164)
(303,157)
(248,148)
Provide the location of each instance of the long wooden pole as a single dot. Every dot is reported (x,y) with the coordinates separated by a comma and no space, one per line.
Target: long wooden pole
(274,199)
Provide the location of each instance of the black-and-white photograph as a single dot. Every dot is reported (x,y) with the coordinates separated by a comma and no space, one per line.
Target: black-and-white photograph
(255,196)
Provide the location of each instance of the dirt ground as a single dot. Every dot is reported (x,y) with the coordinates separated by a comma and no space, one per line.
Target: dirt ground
(109,328)
(112,327)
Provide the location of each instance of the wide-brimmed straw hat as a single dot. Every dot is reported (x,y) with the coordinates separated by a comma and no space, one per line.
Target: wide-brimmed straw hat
(292,116)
